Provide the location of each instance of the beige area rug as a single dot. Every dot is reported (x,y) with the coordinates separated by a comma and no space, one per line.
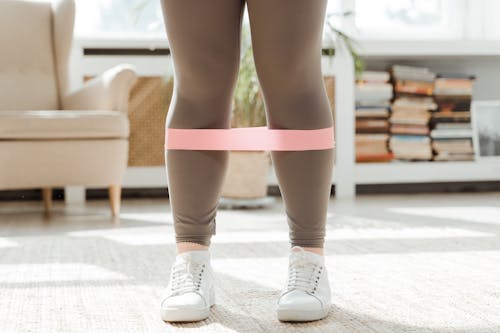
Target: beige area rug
(425,263)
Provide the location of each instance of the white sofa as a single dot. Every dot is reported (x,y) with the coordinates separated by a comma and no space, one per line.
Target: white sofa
(50,136)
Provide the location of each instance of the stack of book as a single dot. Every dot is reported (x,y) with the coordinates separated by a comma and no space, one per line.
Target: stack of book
(452,131)
(411,112)
(373,96)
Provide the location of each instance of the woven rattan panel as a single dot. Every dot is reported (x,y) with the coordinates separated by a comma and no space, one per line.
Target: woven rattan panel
(149,102)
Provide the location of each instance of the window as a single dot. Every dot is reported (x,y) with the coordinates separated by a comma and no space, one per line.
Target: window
(130,18)
(373,19)
(491,24)
(119,18)
(409,19)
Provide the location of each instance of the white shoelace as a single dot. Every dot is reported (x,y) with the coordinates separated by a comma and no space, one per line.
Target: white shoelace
(186,276)
(301,275)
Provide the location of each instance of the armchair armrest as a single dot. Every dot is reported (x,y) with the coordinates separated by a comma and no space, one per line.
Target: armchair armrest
(108,91)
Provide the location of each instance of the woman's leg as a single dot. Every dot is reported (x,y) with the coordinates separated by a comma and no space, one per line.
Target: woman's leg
(204,40)
(286,37)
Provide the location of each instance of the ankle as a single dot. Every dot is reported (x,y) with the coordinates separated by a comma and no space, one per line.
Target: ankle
(190,246)
(317,250)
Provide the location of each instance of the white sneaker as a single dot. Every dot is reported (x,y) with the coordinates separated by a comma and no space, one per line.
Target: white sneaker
(307,295)
(190,290)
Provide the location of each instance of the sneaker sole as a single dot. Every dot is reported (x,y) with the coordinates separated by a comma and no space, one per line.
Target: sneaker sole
(186,314)
(301,315)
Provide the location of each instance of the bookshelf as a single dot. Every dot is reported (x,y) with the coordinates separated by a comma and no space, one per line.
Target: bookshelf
(481,58)
(476,57)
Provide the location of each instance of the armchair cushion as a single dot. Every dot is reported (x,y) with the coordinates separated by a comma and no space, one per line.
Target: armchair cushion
(108,91)
(75,124)
(27,67)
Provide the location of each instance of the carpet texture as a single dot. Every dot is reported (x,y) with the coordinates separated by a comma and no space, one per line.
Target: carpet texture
(420,263)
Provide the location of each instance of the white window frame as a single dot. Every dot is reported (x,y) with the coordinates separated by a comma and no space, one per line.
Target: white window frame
(482,20)
(453,31)
(475,20)
(114,35)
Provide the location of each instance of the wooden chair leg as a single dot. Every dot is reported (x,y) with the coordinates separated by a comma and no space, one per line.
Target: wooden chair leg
(47,199)
(115,193)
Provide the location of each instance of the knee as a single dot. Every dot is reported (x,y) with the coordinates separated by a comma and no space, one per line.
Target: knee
(207,80)
(201,100)
(299,107)
(288,73)
(295,94)
(200,88)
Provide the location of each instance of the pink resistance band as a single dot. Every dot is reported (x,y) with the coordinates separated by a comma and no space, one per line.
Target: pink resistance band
(249,138)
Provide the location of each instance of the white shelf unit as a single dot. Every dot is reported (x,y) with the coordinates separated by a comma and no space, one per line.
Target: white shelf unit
(482,57)
(429,48)
(426,172)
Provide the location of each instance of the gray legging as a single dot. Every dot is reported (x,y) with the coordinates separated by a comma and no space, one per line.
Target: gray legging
(204,39)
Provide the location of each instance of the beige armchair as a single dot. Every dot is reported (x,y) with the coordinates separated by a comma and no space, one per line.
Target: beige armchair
(51,137)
